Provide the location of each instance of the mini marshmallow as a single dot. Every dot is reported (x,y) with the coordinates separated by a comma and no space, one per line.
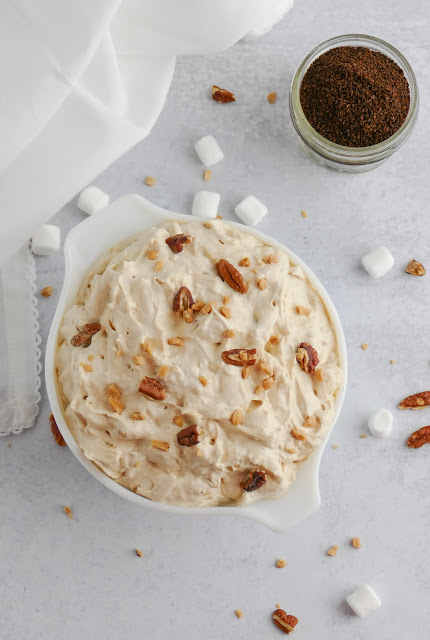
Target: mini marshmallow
(380,423)
(209,151)
(46,240)
(92,199)
(363,601)
(377,262)
(206,204)
(250,210)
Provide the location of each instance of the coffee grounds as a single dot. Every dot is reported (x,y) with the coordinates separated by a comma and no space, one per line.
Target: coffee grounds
(355,96)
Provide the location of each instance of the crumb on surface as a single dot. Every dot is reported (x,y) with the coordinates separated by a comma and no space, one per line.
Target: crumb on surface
(392,362)
(153,254)
(281,563)
(304,213)
(303,311)
(278,606)
(163,371)
(335,446)
(8,444)
(262,284)
(203,381)
(150,181)
(333,550)
(363,435)
(272,97)
(159,266)
(356,543)
(68,512)
(239,613)
(46,292)
(138,552)
(207,174)
(179,421)
(364,346)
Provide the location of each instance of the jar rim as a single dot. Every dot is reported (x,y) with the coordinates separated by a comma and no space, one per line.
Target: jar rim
(342,153)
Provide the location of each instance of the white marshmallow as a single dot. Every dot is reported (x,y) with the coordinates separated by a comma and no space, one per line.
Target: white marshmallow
(205,204)
(380,423)
(46,240)
(377,262)
(92,199)
(250,210)
(209,151)
(363,601)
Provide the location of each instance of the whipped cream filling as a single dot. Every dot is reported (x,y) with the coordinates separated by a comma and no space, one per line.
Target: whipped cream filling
(266,417)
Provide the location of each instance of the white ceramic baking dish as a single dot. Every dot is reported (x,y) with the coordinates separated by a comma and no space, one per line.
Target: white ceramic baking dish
(126,217)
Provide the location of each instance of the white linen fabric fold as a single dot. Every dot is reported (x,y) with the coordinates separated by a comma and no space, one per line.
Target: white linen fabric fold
(82,82)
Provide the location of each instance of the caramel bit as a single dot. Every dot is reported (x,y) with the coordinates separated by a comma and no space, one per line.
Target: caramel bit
(364,346)
(297,435)
(229,333)
(68,512)
(207,175)
(272,258)
(198,306)
(158,444)
(303,311)
(159,266)
(91,357)
(319,375)
(265,367)
(150,181)
(188,315)
(46,292)
(414,268)
(236,417)
(392,362)
(226,299)
(258,389)
(239,613)
(116,405)
(86,367)
(163,371)
(136,415)
(281,563)
(226,312)
(147,347)
(138,359)
(292,451)
(113,391)
(246,372)
(262,284)
(207,225)
(333,550)
(274,340)
(179,421)
(304,213)
(272,97)
(55,432)
(268,382)
(153,254)
(206,309)
(310,422)
(356,543)
(203,381)
(177,342)
(245,262)
(138,553)
(118,353)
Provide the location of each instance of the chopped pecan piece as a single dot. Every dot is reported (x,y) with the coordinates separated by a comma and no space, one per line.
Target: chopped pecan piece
(183,300)
(222,95)
(415,268)
(56,432)
(240,357)
(419,438)
(152,388)
(231,276)
(189,436)
(307,357)
(255,480)
(85,335)
(176,243)
(417,401)
(284,621)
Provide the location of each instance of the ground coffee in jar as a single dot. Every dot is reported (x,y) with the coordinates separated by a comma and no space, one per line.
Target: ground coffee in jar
(354,96)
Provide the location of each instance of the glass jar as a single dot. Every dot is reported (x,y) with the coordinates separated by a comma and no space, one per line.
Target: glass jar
(336,156)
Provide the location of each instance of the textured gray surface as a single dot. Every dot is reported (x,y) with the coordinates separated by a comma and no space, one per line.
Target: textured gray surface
(79,578)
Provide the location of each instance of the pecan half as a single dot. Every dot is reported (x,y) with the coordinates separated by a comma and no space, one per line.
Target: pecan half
(176,243)
(56,432)
(86,334)
(183,300)
(418,438)
(417,401)
(222,95)
(415,268)
(284,621)
(152,388)
(240,357)
(307,357)
(231,276)
(189,436)
(255,480)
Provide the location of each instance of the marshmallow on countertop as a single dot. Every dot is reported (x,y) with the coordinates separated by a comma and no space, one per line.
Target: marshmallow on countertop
(377,262)
(251,211)
(206,204)
(46,240)
(380,423)
(363,601)
(92,199)
(209,151)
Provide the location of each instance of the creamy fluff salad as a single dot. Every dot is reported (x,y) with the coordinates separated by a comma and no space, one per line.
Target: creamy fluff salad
(198,366)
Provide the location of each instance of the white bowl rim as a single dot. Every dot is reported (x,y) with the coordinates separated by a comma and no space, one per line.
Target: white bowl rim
(134,213)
